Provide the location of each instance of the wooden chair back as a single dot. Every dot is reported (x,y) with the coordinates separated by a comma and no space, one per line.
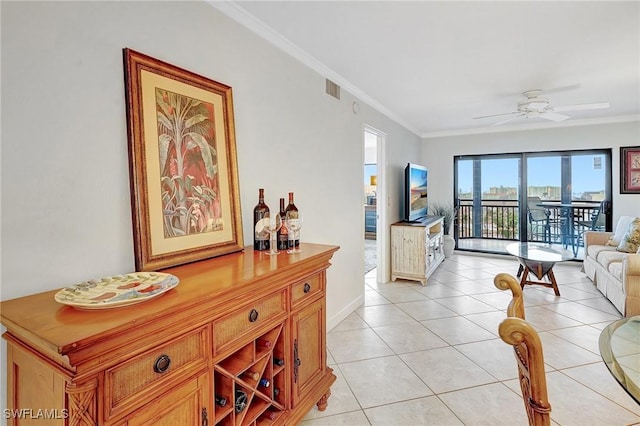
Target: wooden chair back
(508,282)
(515,331)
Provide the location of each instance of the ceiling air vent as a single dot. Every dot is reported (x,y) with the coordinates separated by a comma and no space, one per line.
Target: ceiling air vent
(332,89)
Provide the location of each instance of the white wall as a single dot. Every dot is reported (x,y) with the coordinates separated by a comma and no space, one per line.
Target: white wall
(65,183)
(438,153)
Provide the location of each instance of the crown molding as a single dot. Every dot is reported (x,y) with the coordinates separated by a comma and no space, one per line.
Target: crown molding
(244,18)
(534,126)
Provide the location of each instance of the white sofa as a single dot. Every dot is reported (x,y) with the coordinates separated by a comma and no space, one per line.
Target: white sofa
(615,273)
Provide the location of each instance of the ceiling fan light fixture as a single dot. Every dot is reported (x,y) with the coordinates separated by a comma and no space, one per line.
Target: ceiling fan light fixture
(531,105)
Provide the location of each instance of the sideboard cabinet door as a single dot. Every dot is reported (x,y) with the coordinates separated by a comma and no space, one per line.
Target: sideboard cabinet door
(309,354)
(186,404)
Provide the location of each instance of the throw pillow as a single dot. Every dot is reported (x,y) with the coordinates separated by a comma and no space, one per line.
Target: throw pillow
(631,240)
(621,229)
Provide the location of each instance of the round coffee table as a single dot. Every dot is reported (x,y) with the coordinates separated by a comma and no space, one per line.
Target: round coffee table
(538,259)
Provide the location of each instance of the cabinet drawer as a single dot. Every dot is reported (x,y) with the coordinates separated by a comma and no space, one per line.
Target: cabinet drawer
(139,379)
(307,289)
(251,317)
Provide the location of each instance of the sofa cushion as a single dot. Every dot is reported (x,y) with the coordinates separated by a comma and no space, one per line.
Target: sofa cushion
(606,257)
(631,239)
(621,228)
(594,251)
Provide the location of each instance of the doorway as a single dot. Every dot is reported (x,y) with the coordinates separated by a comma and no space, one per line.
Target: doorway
(374,193)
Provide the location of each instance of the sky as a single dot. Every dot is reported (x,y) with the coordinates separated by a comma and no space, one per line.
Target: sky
(588,173)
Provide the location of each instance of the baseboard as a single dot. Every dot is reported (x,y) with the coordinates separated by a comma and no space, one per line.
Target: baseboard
(345,312)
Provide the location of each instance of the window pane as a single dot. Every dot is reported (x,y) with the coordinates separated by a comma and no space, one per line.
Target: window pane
(465,179)
(500,179)
(543,177)
(587,177)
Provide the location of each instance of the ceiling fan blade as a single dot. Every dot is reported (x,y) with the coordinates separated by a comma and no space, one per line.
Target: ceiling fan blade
(582,107)
(563,88)
(499,123)
(496,115)
(553,116)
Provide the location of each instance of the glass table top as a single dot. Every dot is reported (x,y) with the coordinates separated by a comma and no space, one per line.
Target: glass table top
(620,349)
(538,252)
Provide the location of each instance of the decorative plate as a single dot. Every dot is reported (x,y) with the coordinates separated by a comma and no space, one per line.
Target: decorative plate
(116,291)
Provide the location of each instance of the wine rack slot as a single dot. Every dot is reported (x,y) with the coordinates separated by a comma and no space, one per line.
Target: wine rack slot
(239,360)
(223,390)
(253,384)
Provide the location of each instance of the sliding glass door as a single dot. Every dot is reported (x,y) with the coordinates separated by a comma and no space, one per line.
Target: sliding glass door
(539,197)
(487,194)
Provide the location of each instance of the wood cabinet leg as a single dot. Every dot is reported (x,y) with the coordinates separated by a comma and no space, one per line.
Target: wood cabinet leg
(324,401)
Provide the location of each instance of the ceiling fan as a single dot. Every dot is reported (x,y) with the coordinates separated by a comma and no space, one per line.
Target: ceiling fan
(535,106)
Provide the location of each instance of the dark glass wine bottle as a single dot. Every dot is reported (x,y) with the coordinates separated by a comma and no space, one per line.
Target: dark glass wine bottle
(260,236)
(278,361)
(264,383)
(292,208)
(283,237)
(276,392)
(241,400)
(221,401)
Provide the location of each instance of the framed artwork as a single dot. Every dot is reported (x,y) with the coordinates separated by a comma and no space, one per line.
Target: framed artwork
(185,198)
(630,170)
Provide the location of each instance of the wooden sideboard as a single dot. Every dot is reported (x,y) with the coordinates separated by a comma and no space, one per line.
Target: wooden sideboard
(166,360)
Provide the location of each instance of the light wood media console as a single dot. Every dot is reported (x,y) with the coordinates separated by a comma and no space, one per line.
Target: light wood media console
(163,361)
(416,249)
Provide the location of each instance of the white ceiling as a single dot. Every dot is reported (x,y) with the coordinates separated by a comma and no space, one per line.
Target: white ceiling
(434,65)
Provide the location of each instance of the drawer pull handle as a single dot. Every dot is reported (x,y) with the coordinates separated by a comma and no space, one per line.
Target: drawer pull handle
(162,364)
(306,288)
(253,315)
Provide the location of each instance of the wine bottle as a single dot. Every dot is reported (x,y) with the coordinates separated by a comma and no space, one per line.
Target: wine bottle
(283,238)
(276,392)
(264,343)
(278,361)
(240,401)
(260,236)
(292,242)
(253,375)
(268,415)
(221,401)
(264,383)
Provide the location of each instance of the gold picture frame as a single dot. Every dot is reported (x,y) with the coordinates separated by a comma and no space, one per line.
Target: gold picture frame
(630,170)
(185,198)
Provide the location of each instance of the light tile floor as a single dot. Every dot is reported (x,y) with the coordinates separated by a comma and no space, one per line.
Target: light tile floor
(414,355)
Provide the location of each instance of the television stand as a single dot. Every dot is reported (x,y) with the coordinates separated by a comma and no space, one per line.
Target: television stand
(416,249)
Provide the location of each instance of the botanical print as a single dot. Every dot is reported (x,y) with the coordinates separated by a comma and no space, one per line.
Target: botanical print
(635,161)
(188,165)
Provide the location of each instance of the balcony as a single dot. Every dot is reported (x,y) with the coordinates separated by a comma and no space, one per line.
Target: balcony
(496,223)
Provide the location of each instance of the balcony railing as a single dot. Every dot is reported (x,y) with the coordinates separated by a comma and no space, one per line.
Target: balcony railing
(500,219)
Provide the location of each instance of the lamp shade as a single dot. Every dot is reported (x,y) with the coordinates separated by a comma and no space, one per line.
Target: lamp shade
(373,181)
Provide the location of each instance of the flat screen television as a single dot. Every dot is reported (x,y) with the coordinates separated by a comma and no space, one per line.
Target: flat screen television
(415,193)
